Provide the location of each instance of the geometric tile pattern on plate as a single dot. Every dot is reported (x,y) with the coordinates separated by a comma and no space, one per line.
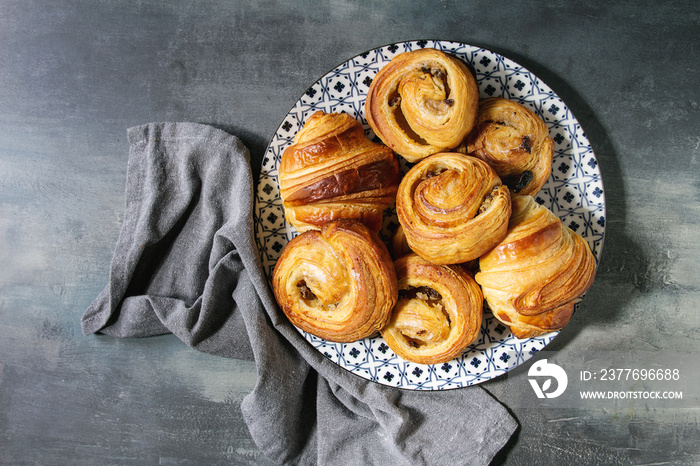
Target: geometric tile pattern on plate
(574,193)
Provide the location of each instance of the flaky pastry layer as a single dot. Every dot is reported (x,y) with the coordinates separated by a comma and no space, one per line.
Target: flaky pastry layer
(452,208)
(515,142)
(532,278)
(422,102)
(333,171)
(438,314)
(337,283)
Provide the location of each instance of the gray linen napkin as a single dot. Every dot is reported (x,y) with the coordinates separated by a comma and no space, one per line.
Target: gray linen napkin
(186,263)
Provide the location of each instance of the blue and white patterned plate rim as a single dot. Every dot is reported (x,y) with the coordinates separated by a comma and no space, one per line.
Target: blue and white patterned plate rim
(574,193)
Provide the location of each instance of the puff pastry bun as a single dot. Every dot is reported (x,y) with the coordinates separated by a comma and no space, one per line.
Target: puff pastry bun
(531,279)
(438,314)
(399,246)
(333,171)
(452,208)
(422,102)
(515,142)
(338,283)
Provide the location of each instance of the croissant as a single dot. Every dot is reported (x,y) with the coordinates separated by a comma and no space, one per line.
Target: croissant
(515,142)
(531,279)
(438,313)
(338,283)
(452,208)
(422,102)
(333,171)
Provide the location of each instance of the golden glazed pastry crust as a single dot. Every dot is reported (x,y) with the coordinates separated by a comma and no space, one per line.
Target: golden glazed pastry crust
(422,102)
(515,142)
(452,208)
(333,171)
(438,314)
(399,246)
(338,283)
(532,278)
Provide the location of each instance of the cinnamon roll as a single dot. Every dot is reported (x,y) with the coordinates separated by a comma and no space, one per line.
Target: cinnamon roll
(532,278)
(338,283)
(333,171)
(422,102)
(515,142)
(452,207)
(438,313)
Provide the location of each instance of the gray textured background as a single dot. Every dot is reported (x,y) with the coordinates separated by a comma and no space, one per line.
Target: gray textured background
(75,74)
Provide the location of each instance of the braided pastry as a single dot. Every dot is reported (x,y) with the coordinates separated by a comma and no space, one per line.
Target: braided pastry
(438,313)
(338,283)
(452,207)
(333,171)
(422,102)
(515,142)
(531,279)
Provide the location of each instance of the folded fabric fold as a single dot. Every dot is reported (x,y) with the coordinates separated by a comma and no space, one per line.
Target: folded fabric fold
(175,262)
(186,263)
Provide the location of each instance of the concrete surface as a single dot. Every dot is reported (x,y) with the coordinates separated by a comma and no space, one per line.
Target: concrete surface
(75,74)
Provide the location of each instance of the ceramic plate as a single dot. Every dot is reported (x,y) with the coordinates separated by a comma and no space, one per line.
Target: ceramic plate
(574,192)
